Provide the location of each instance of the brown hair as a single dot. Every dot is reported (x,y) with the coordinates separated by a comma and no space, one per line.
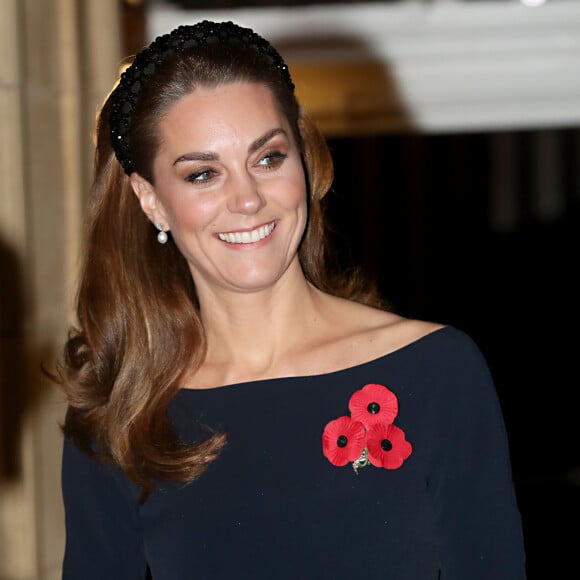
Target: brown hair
(122,364)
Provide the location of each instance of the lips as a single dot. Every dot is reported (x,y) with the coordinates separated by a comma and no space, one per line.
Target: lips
(248,237)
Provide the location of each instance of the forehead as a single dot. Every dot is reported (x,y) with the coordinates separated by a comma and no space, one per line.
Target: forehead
(235,108)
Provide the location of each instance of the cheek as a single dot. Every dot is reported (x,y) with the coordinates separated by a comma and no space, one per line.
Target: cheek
(300,209)
(296,192)
(192,214)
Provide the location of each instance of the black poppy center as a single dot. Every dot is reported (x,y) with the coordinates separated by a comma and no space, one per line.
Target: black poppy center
(342,441)
(373,408)
(386,445)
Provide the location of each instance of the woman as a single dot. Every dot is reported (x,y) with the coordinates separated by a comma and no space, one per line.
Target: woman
(234,410)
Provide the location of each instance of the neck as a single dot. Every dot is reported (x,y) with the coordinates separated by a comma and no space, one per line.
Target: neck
(258,332)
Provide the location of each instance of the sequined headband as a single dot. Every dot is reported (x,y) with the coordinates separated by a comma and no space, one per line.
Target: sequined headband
(125,97)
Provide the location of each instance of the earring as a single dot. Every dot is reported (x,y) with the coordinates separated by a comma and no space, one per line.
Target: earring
(161,236)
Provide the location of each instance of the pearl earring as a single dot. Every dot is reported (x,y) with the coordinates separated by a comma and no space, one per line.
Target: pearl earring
(161,236)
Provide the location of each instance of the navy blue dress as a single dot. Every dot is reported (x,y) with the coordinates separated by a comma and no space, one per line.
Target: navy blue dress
(272,506)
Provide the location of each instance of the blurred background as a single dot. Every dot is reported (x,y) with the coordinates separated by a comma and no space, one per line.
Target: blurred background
(455,129)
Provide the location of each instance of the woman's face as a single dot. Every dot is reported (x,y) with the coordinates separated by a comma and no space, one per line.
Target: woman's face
(230,186)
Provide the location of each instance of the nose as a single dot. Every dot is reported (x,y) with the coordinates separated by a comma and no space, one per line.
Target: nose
(244,196)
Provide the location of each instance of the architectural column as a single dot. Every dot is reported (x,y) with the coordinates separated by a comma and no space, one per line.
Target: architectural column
(60,58)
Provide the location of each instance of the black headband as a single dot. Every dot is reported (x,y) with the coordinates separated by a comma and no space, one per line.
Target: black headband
(126,95)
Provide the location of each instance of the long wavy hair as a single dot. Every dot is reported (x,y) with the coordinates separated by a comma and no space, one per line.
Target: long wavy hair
(138,328)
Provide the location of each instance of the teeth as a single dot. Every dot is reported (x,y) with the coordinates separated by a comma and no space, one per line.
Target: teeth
(248,237)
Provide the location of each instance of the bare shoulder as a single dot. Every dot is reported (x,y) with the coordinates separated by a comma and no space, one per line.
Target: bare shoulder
(367,333)
(399,331)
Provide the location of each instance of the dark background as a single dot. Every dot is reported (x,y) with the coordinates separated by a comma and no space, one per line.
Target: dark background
(416,213)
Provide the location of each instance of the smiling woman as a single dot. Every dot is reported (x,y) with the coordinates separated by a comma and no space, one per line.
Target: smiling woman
(215,354)
(228,183)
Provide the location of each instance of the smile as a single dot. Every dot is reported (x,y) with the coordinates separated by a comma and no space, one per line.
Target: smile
(248,237)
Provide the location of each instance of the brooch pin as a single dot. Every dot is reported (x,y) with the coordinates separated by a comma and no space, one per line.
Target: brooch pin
(368,435)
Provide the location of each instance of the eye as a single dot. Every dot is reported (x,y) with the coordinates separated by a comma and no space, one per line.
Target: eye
(201,176)
(272,160)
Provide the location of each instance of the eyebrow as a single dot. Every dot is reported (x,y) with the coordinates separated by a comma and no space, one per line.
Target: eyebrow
(261,141)
(209,156)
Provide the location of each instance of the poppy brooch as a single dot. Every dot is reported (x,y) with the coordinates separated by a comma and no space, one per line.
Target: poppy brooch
(368,435)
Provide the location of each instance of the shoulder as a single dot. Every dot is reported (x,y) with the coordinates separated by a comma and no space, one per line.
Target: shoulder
(383,330)
(441,350)
(362,333)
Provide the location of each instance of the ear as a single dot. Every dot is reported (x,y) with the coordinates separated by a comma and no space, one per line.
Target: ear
(148,200)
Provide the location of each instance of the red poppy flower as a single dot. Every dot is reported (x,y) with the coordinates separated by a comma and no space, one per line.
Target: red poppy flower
(387,446)
(373,404)
(343,440)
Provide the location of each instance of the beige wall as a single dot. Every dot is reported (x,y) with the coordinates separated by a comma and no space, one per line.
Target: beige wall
(59,59)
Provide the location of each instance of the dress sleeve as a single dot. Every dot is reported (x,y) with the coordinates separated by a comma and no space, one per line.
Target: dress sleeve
(478,519)
(103,531)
